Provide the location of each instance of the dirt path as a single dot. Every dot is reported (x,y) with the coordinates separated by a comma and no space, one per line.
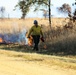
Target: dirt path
(18,66)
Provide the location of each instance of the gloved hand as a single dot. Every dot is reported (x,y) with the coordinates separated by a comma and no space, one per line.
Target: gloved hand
(42,39)
(42,36)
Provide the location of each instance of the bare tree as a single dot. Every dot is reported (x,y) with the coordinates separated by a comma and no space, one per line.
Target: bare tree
(74,14)
(2,11)
(45,12)
(65,8)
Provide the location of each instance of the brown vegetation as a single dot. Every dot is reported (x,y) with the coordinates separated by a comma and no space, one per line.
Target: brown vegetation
(60,39)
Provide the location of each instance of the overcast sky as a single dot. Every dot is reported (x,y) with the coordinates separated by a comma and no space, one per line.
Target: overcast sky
(9,6)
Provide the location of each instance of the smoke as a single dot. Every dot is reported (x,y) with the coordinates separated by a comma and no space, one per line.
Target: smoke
(10,38)
(15,27)
(18,35)
(22,37)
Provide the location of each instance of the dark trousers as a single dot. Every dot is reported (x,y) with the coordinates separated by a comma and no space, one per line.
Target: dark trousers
(36,39)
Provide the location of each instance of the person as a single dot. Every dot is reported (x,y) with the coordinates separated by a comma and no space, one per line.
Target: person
(36,33)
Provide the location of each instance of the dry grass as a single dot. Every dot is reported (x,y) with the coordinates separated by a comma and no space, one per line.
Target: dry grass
(18,24)
(59,40)
(43,59)
(10,25)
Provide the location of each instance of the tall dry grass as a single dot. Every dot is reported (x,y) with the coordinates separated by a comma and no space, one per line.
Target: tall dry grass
(59,39)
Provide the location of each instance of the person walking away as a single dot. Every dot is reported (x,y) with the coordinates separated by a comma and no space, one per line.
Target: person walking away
(36,33)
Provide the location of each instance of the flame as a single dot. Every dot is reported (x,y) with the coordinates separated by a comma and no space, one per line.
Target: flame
(1,40)
(30,41)
(45,46)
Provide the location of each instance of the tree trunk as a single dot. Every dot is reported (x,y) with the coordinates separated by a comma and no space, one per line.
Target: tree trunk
(49,14)
(23,16)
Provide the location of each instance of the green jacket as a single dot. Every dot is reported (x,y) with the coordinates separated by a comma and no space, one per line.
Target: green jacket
(35,30)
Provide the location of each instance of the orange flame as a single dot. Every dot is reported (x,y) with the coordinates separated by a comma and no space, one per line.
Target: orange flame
(1,40)
(30,41)
(45,46)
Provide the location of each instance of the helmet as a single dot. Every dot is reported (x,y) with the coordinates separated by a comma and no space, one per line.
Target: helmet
(35,22)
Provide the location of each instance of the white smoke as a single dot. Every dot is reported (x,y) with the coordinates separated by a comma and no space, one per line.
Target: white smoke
(22,37)
(17,35)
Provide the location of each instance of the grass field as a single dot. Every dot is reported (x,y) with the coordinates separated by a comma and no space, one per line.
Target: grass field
(59,40)
(60,51)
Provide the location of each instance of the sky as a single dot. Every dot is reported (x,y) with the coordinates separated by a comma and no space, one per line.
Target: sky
(58,3)
(10,4)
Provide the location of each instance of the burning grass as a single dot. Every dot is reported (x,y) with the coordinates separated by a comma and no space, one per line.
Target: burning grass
(60,40)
